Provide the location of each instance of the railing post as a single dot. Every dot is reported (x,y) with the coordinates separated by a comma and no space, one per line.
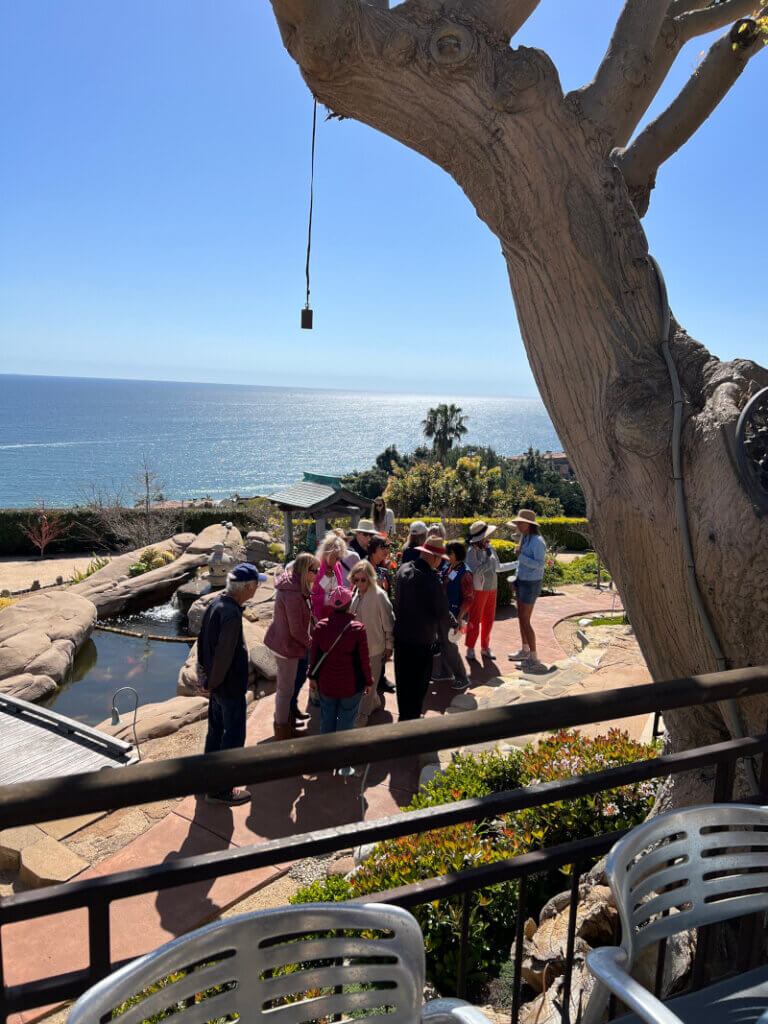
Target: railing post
(573,906)
(461,980)
(517,981)
(99,943)
(724,776)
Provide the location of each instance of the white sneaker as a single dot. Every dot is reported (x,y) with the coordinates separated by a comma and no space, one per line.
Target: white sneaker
(521,655)
(470,655)
(488,653)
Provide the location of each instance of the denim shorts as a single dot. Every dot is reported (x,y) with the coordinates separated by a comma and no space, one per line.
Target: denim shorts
(528,591)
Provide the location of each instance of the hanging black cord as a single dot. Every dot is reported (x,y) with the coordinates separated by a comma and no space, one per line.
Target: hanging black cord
(311,196)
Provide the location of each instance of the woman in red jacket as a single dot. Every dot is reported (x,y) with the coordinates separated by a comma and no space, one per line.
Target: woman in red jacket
(288,636)
(339,666)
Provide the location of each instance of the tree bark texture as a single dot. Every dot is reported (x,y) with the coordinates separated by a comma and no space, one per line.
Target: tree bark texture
(539,172)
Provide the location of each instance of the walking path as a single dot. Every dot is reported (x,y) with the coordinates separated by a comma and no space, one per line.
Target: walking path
(278,809)
(17,574)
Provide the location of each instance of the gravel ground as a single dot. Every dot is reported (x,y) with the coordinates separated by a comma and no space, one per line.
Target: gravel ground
(19,573)
(312,869)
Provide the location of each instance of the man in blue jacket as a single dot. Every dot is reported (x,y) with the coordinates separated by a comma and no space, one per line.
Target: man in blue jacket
(222,668)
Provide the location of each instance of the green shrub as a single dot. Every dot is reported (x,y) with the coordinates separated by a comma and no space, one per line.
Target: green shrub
(609,620)
(414,858)
(469,776)
(584,570)
(138,569)
(94,565)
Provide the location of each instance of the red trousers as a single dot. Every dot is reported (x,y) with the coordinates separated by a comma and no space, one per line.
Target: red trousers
(482,613)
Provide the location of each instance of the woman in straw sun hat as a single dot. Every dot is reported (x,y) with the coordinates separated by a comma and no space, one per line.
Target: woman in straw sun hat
(483,563)
(530,574)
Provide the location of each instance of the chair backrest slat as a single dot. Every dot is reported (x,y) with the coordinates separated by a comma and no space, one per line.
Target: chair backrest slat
(256,957)
(697,866)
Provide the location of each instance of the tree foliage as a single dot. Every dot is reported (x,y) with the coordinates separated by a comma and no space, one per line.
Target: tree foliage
(444,425)
(467,489)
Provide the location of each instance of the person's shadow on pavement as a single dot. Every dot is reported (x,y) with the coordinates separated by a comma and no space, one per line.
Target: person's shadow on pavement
(185,906)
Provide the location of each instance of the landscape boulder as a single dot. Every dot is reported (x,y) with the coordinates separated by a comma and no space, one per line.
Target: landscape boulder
(39,638)
(257,544)
(114,593)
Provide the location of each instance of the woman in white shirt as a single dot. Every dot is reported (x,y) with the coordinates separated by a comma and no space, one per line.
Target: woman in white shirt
(372,607)
(383,517)
(484,564)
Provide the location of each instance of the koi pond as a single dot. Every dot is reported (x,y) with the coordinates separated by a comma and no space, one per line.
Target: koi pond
(110,660)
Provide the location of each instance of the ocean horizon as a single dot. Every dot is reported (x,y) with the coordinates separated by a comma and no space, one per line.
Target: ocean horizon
(63,437)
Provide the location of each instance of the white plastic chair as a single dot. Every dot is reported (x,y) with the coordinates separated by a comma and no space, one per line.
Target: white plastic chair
(698,866)
(240,963)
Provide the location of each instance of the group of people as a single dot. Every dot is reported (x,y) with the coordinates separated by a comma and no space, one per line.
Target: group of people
(346,610)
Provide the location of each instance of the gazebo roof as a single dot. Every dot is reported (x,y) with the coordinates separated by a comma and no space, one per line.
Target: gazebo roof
(316,493)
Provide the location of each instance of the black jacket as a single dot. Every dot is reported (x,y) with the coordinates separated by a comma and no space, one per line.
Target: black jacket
(421,606)
(221,648)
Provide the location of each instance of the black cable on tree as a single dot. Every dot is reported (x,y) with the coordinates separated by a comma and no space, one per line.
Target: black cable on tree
(306,313)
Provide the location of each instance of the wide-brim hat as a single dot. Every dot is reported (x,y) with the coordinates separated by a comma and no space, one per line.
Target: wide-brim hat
(479,531)
(365,526)
(434,546)
(525,515)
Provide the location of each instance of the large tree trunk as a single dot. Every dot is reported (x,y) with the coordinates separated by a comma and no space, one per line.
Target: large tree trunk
(588,301)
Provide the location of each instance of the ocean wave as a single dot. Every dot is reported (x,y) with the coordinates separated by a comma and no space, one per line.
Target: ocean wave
(58,444)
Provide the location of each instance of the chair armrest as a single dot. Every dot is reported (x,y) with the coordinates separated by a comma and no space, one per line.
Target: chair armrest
(607,965)
(452,1011)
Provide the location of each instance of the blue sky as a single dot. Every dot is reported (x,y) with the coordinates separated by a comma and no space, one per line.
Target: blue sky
(154,177)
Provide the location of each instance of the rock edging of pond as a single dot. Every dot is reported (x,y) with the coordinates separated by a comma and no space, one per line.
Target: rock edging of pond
(162,719)
(114,592)
(39,638)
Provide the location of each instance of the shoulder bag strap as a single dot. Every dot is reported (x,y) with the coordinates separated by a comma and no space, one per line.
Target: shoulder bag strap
(312,674)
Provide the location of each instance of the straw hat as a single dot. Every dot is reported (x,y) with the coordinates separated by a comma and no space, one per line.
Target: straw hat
(479,531)
(525,515)
(365,526)
(434,546)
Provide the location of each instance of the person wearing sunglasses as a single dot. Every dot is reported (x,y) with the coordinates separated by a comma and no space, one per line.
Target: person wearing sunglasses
(383,518)
(288,636)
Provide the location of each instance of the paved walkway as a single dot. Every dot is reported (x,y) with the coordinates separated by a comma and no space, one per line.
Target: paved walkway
(278,809)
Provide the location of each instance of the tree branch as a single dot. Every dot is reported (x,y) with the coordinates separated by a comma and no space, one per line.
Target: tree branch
(698,22)
(506,17)
(707,86)
(314,19)
(612,99)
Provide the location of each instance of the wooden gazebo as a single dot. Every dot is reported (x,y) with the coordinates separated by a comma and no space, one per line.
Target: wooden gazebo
(317,497)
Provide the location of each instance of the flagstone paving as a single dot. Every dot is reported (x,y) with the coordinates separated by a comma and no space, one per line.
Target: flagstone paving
(291,806)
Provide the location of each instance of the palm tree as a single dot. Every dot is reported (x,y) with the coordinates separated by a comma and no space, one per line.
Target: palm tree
(444,425)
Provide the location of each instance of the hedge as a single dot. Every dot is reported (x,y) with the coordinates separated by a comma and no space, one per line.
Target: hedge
(86,525)
(560,532)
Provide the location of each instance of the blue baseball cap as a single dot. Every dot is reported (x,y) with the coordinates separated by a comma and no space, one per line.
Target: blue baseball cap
(247,573)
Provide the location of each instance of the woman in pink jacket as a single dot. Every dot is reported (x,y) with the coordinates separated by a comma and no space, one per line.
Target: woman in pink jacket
(330,578)
(288,636)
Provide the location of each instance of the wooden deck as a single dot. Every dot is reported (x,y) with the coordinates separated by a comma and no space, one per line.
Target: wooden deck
(36,743)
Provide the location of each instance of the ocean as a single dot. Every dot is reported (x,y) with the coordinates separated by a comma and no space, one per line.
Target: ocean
(60,437)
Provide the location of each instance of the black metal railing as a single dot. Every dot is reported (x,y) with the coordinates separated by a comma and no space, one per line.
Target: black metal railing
(149,782)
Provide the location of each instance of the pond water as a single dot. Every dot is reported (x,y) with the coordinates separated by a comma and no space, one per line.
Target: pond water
(109,660)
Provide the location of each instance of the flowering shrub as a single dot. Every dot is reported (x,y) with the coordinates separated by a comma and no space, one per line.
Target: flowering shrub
(566,754)
(414,858)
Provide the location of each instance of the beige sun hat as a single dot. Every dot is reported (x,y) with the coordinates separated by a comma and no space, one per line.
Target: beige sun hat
(479,531)
(365,526)
(525,515)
